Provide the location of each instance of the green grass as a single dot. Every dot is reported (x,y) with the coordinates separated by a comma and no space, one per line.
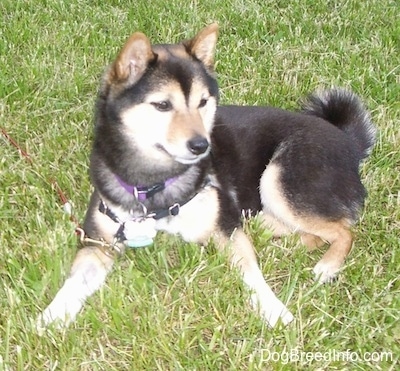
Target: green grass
(174,305)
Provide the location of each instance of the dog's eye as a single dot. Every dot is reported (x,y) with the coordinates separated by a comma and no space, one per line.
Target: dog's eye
(162,106)
(203,102)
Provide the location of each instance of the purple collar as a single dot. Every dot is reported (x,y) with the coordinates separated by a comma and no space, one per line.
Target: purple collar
(142,193)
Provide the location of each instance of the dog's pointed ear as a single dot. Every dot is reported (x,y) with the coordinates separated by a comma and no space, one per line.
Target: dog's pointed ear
(202,46)
(133,59)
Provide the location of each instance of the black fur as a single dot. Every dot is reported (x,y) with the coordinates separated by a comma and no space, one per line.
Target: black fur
(319,159)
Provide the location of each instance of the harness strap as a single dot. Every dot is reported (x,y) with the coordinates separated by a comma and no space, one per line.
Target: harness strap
(103,208)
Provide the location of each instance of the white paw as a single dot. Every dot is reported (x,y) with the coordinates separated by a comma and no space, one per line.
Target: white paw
(286,316)
(46,318)
(325,271)
(273,310)
(59,314)
(64,307)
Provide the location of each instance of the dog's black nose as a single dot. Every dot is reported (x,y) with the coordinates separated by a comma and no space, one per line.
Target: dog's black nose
(198,145)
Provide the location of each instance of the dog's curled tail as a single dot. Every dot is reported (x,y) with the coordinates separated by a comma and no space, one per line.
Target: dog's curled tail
(345,110)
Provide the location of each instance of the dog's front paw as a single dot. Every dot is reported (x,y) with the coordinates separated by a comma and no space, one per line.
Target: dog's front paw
(276,312)
(47,319)
(326,271)
(61,311)
(286,316)
(58,314)
(273,310)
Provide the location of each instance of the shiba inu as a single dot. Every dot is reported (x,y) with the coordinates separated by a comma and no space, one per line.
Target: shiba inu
(165,156)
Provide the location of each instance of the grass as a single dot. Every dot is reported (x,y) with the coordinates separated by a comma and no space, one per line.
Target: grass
(174,305)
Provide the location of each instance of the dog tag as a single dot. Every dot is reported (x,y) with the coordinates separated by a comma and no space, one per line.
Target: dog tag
(140,233)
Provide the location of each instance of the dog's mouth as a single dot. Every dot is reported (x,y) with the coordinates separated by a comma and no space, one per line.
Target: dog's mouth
(188,159)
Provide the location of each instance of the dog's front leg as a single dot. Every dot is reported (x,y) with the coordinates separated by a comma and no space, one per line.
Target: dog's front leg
(88,273)
(263,299)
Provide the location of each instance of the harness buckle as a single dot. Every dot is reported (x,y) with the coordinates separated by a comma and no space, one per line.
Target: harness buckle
(143,193)
(174,209)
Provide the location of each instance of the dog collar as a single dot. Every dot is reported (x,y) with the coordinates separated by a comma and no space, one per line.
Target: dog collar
(142,193)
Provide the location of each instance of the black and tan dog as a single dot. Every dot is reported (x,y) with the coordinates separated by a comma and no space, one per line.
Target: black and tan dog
(166,158)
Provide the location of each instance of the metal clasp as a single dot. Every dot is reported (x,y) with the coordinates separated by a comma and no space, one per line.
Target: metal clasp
(111,250)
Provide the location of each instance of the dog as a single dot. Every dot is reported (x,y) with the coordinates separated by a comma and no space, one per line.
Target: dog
(166,157)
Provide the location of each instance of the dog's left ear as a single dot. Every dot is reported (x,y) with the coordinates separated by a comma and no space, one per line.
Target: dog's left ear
(202,46)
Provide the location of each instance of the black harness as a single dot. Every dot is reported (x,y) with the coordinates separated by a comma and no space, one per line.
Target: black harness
(120,239)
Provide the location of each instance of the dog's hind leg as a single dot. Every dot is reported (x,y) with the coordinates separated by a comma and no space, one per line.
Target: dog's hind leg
(280,229)
(263,299)
(311,241)
(338,235)
(88,273)
(315,231)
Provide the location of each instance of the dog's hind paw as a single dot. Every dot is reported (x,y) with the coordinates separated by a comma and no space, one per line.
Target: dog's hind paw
(325,271)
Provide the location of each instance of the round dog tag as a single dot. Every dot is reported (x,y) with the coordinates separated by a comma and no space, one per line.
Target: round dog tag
(139,233)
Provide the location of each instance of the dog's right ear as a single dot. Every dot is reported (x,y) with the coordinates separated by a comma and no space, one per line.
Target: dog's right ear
(133,59)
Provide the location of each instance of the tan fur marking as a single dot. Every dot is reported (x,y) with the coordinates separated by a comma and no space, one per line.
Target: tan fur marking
(188,120)
(313,229)
(278,228)
(185,126)
(338,235)
(241,251)
(311,241)
(93,255)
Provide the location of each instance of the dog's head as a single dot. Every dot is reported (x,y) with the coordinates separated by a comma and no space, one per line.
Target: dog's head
(159,101)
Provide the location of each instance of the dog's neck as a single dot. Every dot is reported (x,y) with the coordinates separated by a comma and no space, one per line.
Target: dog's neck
(142,193)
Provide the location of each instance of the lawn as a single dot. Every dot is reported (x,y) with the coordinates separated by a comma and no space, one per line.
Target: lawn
(178,306)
